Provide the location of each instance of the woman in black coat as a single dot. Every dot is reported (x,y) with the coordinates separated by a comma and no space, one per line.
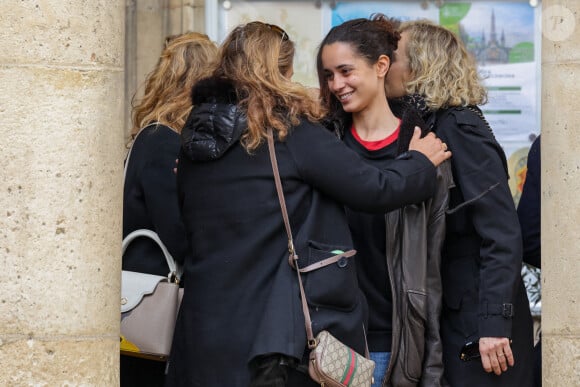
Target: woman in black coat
(241,321)
(484,300)
(149,196)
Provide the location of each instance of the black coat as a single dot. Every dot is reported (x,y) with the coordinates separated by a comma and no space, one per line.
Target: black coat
(241,297)
(529,207)
(411,259)
(150,201)
(482,255)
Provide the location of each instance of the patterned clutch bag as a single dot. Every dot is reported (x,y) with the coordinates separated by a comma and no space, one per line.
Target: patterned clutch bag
(334,364)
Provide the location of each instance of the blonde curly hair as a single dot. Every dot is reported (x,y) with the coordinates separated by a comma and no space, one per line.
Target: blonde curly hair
(258,59)
(442,70)
(166,98)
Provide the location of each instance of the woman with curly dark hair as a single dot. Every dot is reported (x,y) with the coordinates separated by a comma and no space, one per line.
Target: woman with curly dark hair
(399,256)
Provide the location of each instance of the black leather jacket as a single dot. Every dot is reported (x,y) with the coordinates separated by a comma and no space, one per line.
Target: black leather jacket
(415,235)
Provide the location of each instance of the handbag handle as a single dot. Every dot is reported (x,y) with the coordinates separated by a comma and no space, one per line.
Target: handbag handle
(175,271)
(293,257)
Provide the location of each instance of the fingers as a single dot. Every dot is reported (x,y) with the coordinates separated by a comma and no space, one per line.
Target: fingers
(507,350)
(416,134)
(431,146)
(496,354)
(176,164)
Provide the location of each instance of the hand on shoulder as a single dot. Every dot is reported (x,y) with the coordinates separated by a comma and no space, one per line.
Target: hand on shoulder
(431,146)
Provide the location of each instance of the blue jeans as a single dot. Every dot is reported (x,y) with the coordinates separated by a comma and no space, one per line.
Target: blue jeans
(381,360)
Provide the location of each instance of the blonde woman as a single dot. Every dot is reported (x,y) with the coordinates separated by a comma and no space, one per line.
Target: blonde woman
(486,327)
(241,321)
(149,198)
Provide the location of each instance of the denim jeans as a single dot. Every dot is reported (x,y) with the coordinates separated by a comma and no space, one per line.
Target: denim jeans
(381,360)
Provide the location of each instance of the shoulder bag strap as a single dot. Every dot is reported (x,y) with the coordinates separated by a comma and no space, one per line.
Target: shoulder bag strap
(293,257)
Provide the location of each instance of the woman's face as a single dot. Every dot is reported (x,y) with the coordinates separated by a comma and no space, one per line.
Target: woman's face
(399,73)
(352,80)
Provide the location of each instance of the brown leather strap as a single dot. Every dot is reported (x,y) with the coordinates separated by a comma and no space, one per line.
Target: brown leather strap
(293,257)
(328,261)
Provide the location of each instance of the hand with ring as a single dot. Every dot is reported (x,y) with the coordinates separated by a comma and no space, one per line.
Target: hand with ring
(496,354)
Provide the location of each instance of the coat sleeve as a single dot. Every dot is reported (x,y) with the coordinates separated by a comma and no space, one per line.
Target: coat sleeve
(479,171)
(159,185)
(529,208)
(330,166)
(432,375)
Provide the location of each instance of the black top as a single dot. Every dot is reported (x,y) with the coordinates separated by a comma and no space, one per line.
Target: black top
(369,237)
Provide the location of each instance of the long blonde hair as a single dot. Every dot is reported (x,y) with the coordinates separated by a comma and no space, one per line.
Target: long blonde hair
(258,59)
(166,99)
(442,70)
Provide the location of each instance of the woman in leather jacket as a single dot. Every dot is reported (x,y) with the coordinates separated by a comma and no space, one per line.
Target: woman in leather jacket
(241,322)
(398,251)
(484,299)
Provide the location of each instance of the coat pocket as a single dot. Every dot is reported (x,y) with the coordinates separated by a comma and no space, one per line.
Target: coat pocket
(413,334)
(334,286)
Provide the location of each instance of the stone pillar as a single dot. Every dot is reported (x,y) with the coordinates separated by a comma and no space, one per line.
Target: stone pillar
(61,113)
(560,193)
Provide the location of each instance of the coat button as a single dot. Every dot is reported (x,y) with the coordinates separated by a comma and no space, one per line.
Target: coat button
(342,262)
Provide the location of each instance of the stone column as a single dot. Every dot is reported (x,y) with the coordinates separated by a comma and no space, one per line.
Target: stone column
(560,193)
(61,113)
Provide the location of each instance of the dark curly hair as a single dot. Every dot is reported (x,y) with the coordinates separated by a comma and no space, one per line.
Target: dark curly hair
(370,38)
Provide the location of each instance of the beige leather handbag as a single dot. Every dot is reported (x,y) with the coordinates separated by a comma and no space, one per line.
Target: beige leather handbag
(149,306)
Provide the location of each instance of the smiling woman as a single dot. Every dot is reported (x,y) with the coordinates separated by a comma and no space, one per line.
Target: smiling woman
(353,61)
(240,322)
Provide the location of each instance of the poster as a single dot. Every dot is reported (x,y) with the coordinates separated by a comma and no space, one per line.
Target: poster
(502,37)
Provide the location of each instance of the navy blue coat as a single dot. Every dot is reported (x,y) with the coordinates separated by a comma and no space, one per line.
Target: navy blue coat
(529,208)
(241,296)
(483,291)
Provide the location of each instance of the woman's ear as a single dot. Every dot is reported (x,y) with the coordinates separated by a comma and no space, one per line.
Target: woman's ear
(383,64)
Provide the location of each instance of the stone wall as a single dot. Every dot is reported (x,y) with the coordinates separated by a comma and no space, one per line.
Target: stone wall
(61,109)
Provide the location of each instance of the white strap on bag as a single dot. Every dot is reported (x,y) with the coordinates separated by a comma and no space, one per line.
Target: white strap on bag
(174,270)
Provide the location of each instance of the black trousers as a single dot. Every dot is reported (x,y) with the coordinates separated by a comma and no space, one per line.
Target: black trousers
(137,372)
(278,370)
